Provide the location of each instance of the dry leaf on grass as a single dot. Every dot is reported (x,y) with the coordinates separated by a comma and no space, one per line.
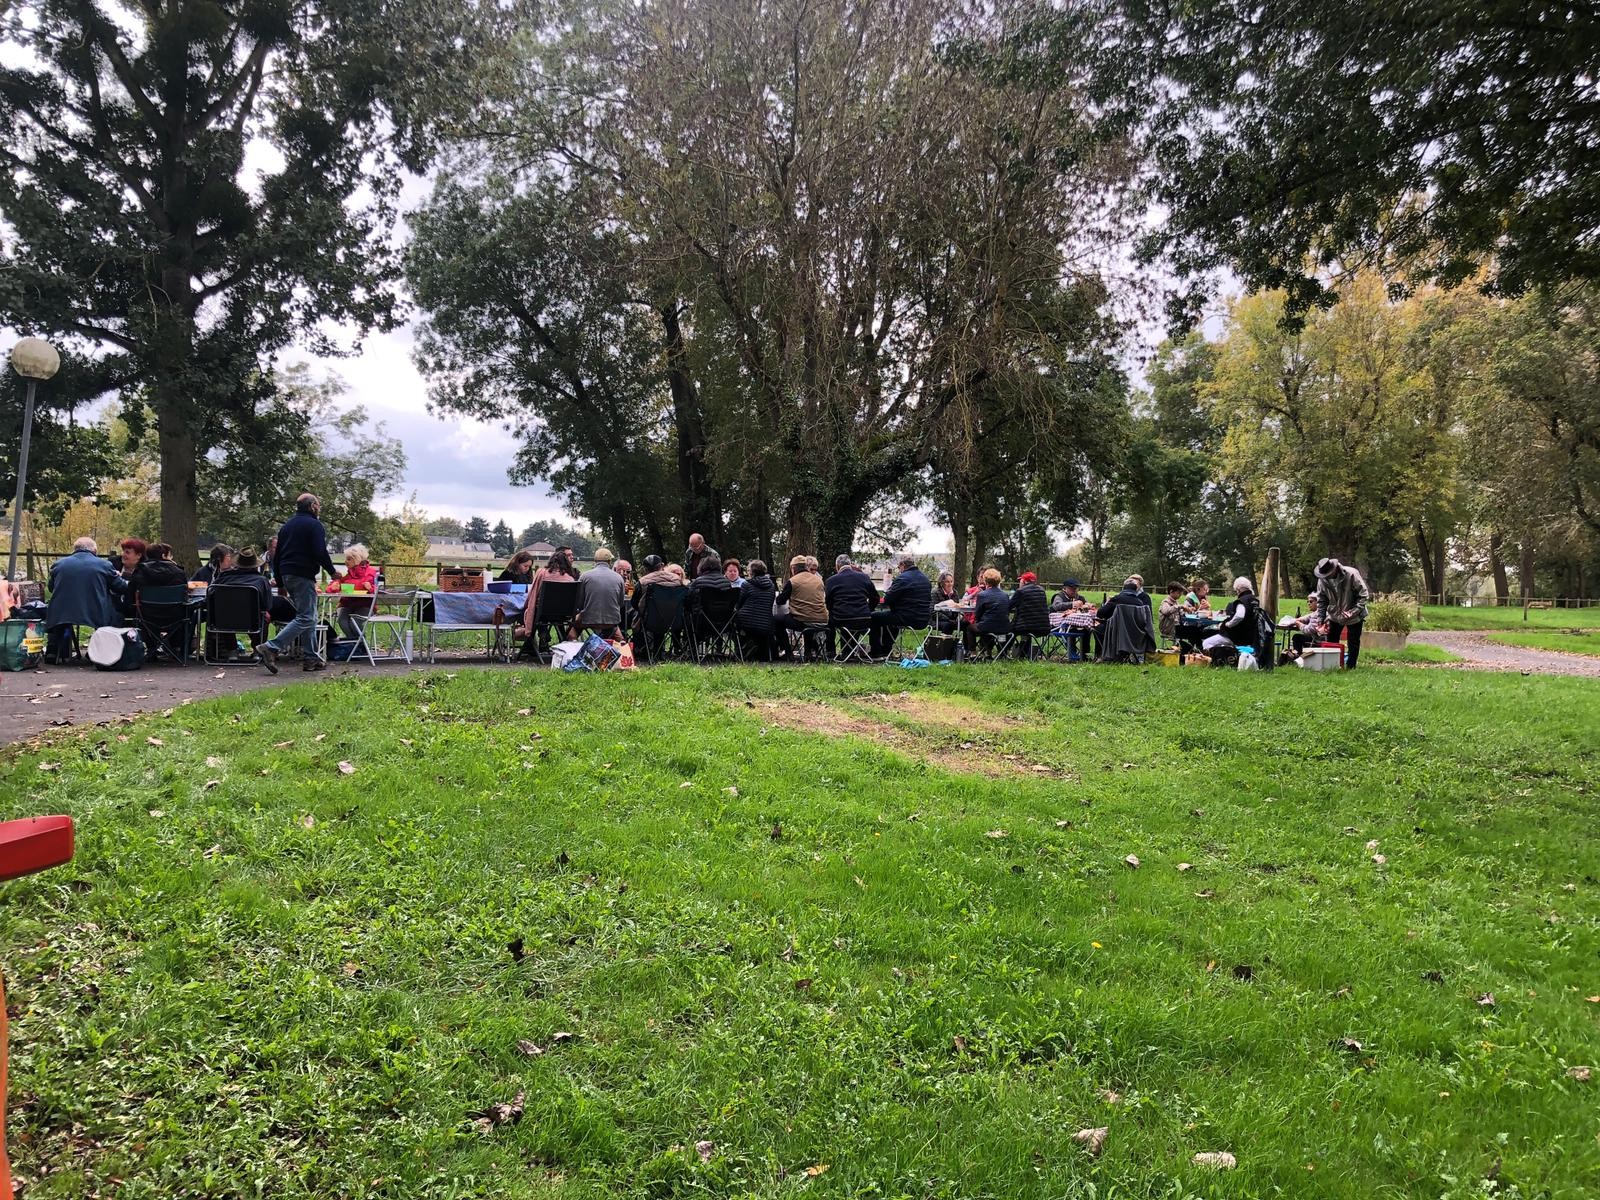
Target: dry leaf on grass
(529,1049)
(802,985)
(352,969)
(346,768)
(211,783)
(157,813)
(816,1169)
(727,791)
(561,1035)
(1581,1074)
(407,742)
(212,851)
(1185,866)
(1204,894)
(213,761)
(308,821)
(49,766)
(283,745)
(1373,844)
(1133,861)
(1109,1096)
(1217,1160)
(321,737)
(1379,859)
(705,1149)
(1348,1045)
(154,741)
(1485,1001)
(995,833)
(499,1114)
(1092,1140)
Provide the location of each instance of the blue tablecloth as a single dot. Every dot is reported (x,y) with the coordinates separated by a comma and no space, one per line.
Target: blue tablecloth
(474,608)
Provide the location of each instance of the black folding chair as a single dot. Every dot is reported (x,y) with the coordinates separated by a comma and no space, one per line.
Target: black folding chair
(232,609)
(160,614)
(712,632)
(851,636)
(554,611)
(660,619)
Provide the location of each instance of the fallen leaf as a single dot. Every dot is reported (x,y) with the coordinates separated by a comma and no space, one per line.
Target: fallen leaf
(788,953)
(1433,977)
(685,784)
(1133,861)
(561,1035)
(812,1172)
(1092,1140)
(1127,766)
(321,737)
(346,769)
(157,813)
(1204,894)
(352,969)
(995,833)
(1373,844)
(802,985)
(1109,1096)
(1485,1001)
(1569,887)
(958,1044)
(1593,999)
(213,761)
(528,1049)
(1217,1160)
(1197,812)
(154,741)
(407,742)
(518,952)
(283,745)
(1185,866)
(1348,1045)
(1063,824)
(212,851)
(498,1114)
(49,766)
(860,883)
(308,821)
(1581,1074)
(1041,768)
(1379,859)
(705,1150)
(210,783)
(524,712)
(727,791)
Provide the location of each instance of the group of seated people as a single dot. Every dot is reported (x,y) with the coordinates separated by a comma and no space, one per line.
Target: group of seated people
(88,590)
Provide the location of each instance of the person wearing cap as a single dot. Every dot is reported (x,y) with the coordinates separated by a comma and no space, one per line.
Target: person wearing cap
(1342,599)
(805,594)
(246,572)
(1067,599)
(601,596)
(1029,608)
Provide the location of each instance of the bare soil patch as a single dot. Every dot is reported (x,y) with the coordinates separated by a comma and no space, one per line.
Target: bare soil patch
(941,734)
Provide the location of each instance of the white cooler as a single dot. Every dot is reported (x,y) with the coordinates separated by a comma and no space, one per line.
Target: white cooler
(1319,658)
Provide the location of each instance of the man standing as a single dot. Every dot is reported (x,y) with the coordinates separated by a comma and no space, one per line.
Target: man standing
(302,551)
(697,553)
(601,596)
(908,604)
(1342,598)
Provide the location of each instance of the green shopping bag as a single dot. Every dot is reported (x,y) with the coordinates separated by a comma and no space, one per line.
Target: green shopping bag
(21,645)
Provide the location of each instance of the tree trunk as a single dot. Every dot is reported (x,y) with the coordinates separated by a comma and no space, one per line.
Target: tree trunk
(1430,578)
(1441,545)
(1525,572)
(180,518)
(1497,568)
(700,512)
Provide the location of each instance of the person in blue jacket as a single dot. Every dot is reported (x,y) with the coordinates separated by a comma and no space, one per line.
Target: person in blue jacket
(81,587)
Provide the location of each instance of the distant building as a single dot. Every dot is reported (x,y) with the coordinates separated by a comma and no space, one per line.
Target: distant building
(444,549)
(541,549)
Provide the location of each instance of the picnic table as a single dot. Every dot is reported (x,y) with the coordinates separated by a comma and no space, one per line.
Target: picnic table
(493,613)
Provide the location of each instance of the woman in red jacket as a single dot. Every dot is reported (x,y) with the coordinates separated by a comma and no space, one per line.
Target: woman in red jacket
(359,571)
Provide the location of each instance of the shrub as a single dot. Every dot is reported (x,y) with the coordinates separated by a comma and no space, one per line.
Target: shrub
(1391,614)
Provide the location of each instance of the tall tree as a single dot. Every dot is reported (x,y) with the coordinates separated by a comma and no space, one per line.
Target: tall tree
(477,530)
(501,539)
(444,527)
(1289,137)
(188,187)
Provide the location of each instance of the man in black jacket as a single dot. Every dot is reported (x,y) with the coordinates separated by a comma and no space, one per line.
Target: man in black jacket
(851,596)
(1132,593)
(908,604)
(302,552)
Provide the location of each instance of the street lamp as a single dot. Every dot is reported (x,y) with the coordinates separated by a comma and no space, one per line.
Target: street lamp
(34,359)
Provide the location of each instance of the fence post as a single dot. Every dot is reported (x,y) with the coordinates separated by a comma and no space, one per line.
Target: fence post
(1269,595)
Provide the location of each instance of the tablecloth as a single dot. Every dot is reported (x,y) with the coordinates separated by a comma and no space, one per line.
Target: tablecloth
(474,608)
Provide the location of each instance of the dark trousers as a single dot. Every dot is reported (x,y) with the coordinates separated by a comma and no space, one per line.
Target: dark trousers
(885,625)
(813,643)
(1352,649)
(60,642)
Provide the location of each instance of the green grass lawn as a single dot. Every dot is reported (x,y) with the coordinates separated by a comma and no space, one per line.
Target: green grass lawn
(1436,616)
(858,943)
(1413,653)
(1570,641)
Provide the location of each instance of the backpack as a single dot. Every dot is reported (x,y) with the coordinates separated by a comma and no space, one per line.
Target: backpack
(1267,639)
(114,649)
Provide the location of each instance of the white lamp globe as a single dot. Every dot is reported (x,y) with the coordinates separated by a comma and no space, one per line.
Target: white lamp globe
(35,358)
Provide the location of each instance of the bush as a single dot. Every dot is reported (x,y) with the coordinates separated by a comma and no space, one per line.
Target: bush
(1391,614)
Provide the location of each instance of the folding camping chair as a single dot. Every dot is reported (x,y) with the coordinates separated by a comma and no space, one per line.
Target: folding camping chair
(159,614)
(809,643)
(712,632)
(232,609)
(851,639)
(661,618)
(908,640)
(391,626)
(555,608)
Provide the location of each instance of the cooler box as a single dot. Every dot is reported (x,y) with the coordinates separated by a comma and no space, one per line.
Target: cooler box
(1319,658)
(1165,658)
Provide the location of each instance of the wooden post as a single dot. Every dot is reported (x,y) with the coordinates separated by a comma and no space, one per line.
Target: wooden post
(1269,583)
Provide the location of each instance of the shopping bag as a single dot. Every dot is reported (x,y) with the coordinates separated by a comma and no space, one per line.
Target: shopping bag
(115,649)
(624,656)
(21,645)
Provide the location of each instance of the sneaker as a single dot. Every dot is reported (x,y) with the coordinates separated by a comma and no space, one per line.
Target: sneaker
(313,664)
(268,658)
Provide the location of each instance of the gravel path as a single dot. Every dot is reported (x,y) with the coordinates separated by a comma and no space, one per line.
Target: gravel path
(1483,655)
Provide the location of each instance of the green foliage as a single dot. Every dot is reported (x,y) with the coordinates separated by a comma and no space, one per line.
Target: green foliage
(476,530)
(814,953)
(445,527)
(500,537)
(554,533)
(1391,613)
(1438,138)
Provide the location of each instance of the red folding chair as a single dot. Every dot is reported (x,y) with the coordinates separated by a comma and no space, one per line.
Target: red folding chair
(26,846)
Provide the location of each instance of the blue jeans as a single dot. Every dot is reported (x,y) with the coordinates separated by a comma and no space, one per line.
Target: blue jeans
(303,592)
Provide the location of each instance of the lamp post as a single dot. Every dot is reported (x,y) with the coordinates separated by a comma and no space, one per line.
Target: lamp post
(34,359)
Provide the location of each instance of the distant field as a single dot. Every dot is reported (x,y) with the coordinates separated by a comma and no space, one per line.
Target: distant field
(1438,616)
